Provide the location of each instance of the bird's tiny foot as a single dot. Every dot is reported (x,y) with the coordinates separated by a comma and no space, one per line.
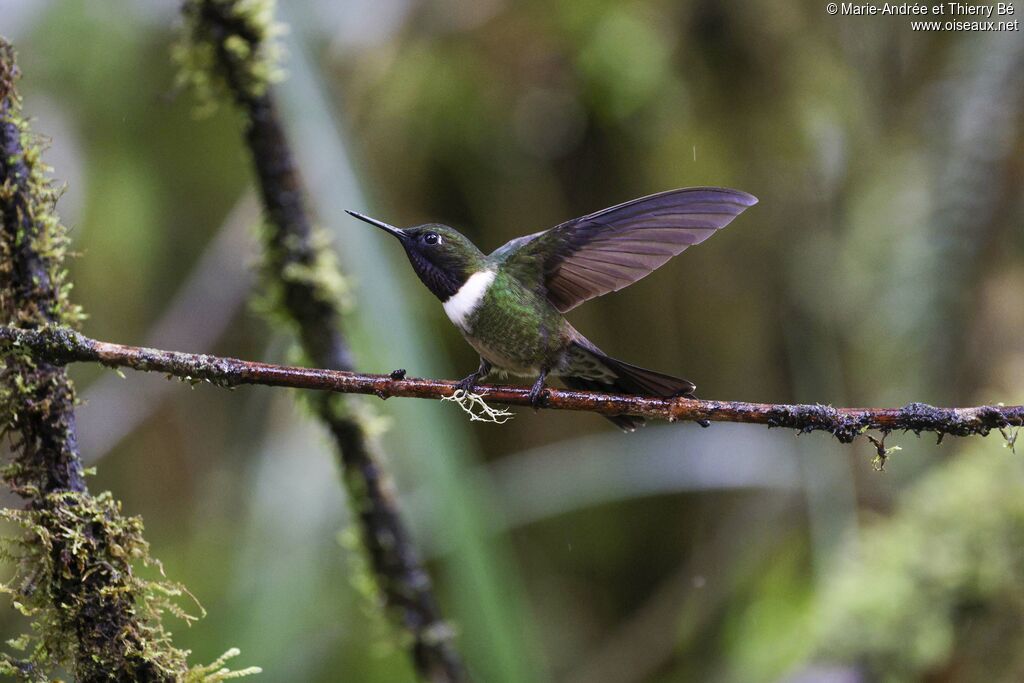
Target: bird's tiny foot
(467,384)
(538,395)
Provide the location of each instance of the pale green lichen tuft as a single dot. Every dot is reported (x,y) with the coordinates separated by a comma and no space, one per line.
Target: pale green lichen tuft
(323,276)
(477,408)
(373,423)
(280,268)
(228,47)
(325,283)
(384,639)
(92,555)
(75,564)
(1010,435)
(217,671)
(30,192)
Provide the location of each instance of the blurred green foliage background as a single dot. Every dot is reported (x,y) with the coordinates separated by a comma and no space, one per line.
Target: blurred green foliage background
(884,264)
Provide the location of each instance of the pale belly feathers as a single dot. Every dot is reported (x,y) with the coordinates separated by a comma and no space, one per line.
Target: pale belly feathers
(506,333)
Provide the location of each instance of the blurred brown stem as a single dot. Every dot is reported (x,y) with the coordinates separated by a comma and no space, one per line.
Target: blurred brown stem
(58,345)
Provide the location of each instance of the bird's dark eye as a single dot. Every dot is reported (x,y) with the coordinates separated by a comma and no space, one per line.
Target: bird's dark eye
(431,238)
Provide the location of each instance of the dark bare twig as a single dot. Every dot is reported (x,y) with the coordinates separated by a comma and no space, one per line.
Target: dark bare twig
(65,346)
(294,263)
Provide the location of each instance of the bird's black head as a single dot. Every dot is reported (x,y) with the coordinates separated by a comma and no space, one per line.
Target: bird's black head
(442,257)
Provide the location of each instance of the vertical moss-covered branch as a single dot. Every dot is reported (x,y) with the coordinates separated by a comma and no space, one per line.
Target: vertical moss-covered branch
(34,294)
(228,48)
(75,562)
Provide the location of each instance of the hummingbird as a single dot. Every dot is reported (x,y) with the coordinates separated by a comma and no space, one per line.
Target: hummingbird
(510,304)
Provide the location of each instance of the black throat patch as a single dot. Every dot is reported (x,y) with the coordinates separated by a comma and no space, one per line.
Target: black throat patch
(442,283)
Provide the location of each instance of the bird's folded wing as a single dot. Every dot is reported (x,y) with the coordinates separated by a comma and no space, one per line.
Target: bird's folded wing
(607,250)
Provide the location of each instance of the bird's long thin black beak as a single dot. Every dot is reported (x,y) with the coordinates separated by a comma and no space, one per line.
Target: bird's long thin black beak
(397,232)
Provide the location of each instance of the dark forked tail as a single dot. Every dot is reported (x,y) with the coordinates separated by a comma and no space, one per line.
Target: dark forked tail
(624,378)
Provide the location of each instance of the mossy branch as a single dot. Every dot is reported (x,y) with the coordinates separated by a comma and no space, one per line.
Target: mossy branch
(75,563)
(58,345)
(228,51)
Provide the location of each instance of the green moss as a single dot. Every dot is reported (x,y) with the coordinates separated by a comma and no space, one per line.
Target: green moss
(323,277)
(324,283)
(312,266)
(77,562)
(217,671)
(342,408)
(244,33)
(30,197)
(933,585)
(384,639)
(76,558)
(36,401)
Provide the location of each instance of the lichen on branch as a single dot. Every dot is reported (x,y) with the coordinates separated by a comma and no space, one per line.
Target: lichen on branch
(845,424)
(229,43)
(242,33)
(76,563)
(76,576)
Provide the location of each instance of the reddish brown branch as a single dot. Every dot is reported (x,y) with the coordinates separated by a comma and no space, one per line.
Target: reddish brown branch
(58,345)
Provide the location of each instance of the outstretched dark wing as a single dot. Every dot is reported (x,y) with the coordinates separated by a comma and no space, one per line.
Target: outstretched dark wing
(605,251)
